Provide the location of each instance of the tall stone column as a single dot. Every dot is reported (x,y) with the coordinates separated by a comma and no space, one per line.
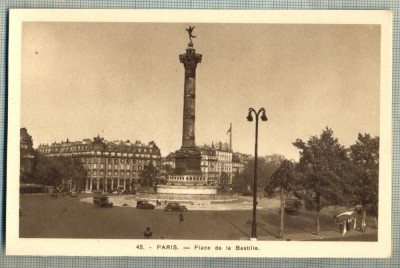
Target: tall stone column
(190,60)
(188,158)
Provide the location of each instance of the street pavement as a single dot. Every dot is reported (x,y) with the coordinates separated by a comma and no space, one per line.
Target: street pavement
(243,203)
(67,217)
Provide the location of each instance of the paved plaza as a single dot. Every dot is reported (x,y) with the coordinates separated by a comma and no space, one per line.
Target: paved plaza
(67,217)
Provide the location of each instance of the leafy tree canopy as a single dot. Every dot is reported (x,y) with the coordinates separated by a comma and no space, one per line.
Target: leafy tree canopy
(365,157)
(243,181)
(149,175)
(52,170)
(224,181)
(323,166)
(283,178)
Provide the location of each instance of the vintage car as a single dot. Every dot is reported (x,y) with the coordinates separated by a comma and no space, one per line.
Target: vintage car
(292,205)
(175,207)
(102,201)
(73,194)
(144,205)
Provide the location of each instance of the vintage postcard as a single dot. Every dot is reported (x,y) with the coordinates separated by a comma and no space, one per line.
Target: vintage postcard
(199,133)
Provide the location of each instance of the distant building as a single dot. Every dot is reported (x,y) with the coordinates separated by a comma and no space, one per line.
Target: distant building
(239,161)
(110,165)
(224,162)
(209,164)
(215,160)
(222,146)
(274,158)
(27,155)
(169,160)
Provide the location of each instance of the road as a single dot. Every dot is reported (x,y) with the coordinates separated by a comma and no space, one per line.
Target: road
(67,217)
(362,237)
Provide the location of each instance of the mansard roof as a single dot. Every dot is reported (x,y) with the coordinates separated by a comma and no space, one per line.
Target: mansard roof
(99,144)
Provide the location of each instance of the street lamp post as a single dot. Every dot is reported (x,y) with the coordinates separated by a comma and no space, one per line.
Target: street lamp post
(250,119)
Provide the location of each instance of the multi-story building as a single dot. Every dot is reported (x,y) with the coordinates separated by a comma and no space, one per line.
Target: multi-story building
(221,146)
(274,158)
(238,163)
(109,166)
(224,162)
(169,160)
(209,164)
(215,160)
(26,155)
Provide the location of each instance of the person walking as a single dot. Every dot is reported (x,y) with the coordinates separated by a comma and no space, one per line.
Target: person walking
(148,233)
(181,219)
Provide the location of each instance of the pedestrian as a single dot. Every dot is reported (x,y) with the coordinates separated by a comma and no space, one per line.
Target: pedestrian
(148,233)
(343,228)
(181,219)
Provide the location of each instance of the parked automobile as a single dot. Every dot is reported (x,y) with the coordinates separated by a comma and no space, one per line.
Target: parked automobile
(144,205)
(73,194)
(102,201)
(292,205)
(175,207)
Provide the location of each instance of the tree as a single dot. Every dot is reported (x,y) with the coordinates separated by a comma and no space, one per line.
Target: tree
(74,172)
(243,181)
(237,182)
(55,170)
(148,175)
(47,171)
(224,182)
(364,155)
(166,171)
(323,167)
(283,180)
(25,169)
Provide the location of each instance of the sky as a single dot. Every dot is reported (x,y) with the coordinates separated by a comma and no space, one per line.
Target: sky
(124,81)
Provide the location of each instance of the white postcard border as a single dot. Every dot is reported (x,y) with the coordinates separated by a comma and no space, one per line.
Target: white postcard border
(112,247)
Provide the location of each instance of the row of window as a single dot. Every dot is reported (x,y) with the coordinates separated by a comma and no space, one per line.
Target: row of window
(226,157)
(204,164)
(116,167)
(109,173)
(179,178)
(86,147)
(117,160)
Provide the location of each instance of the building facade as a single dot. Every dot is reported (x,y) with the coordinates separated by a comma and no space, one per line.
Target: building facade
(224,160)
(209,164)
(109,165)
(169,160)
(27,155)
(274,158)
(238,162)
(215,160)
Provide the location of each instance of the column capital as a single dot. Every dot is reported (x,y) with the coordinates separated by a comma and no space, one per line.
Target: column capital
(190,59)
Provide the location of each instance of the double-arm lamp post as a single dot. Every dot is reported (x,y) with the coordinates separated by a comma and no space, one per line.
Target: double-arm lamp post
(250,119)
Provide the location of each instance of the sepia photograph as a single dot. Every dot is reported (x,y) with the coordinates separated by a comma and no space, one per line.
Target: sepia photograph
(196,134)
